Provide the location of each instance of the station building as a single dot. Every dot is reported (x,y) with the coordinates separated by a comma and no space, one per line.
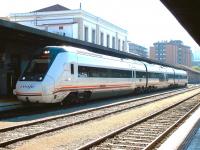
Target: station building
(77,24)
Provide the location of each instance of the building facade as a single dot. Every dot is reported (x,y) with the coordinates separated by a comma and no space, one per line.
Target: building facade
(77,24)
(173,52)
(137,50)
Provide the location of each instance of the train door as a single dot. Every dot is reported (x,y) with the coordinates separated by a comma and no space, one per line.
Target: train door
(146,76)
(72,70)
(174,77)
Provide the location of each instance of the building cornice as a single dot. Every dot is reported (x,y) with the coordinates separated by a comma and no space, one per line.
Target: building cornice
(76,13)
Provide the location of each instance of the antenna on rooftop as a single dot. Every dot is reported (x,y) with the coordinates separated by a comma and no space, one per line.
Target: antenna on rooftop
(80,6)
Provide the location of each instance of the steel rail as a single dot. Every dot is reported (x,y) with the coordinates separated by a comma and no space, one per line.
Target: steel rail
(24,111)
(3,144)
(94,109)
(170,129)
(122,129)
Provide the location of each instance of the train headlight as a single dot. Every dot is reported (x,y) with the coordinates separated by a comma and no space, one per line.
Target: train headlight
(46,52)
(23,78)
(40,78)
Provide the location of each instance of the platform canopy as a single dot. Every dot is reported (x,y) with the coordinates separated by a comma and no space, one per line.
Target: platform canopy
(187,12)
(10,31)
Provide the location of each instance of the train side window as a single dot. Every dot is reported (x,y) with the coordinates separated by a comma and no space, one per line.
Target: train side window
(140,74)
(103,72)
(133,74)
(72,68)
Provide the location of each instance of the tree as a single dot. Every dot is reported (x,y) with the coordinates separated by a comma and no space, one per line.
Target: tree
(196,68)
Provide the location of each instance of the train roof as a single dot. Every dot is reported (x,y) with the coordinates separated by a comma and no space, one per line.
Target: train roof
(82,51)
(169,70)
(180,72)
(135,64)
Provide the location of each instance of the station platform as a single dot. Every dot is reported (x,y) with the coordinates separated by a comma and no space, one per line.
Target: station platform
(187,136)
(5,101)
(195,142)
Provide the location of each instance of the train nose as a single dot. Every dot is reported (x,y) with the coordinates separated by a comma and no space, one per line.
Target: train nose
(28,88)
(48,85)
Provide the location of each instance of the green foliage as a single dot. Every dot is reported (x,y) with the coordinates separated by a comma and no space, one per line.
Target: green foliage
(196,68)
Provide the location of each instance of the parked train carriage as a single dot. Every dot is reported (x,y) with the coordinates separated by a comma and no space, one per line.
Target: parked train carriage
(140,75)
(169,75)
(62,73)
(101,73)
(181,78)
(156,76)
(59,71)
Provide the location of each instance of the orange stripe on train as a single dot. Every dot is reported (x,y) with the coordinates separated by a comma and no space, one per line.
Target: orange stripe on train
(67,88)
(28,94)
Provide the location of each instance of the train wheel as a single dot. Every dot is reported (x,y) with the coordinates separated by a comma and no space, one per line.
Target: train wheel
(76,97)
(137,91)
(142,90)
(84,97)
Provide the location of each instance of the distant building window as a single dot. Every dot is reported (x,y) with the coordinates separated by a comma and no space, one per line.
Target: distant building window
(102,38)
(113,42)
(93,36)
(86,34)
(119,44)
(60,27)
(108,40)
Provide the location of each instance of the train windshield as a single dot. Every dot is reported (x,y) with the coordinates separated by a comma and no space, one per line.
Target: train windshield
(40,64)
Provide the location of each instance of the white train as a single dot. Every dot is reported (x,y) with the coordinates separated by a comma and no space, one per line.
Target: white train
(63,73)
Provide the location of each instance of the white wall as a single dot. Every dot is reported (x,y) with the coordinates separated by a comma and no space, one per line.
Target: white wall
(50,21)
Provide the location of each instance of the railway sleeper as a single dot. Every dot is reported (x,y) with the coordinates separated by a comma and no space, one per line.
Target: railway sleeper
(122,146)
(133,139)
(128,142)
(146,129)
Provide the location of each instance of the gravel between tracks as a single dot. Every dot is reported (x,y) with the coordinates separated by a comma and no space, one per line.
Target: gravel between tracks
(33,118)
(71,119)
(75,136)
(17,133)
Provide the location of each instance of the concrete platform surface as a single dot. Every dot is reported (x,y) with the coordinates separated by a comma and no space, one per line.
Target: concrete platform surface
(195,143)
(180,139)
(4,101)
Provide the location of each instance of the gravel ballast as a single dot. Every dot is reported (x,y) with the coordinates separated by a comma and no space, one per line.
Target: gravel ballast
(73,137)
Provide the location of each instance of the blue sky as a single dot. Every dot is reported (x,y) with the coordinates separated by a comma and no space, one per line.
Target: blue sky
(147,21)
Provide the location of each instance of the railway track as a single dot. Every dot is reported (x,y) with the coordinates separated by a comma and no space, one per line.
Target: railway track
(147,133)
(16,110)
(13,134)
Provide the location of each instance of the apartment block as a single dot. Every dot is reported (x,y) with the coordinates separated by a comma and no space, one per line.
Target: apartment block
(172,52)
